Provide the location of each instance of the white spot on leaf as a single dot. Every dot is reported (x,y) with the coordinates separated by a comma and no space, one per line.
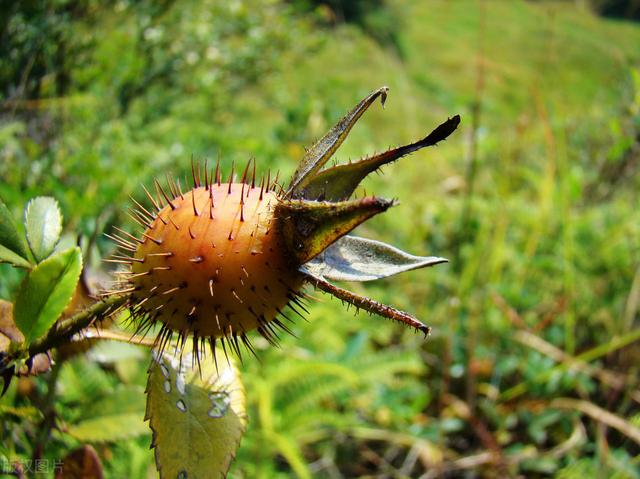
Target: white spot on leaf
(220,402)
(180,383)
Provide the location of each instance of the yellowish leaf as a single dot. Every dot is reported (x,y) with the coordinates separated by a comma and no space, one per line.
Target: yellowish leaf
(197,416)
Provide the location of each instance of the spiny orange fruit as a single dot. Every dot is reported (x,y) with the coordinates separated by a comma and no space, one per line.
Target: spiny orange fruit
(214,253)
(211,262)
(225,258)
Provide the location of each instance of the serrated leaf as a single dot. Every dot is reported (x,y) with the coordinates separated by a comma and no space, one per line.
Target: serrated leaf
(45,293)
(359,259)
(325,147)
(309,227)
(197,419)
(339,182)
(117,416)
(43,222)
(13,247)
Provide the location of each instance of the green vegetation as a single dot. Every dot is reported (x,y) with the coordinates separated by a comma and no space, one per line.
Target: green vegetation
(532,366)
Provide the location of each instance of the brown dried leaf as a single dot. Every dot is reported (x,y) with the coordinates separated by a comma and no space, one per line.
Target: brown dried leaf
(8,329)
(82,463)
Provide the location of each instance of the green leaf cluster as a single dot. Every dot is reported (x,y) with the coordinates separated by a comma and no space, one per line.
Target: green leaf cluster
(51,277)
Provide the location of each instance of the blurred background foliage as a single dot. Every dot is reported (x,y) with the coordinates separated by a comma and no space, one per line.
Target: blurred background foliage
(532,367)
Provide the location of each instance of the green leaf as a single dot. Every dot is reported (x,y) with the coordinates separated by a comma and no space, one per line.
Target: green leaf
(13,247)
(29,413)
(358,259)
(117,416)
(309,227)
(46,292)
(290,450)
(8,256)
(109,428)
(197,417)
(83,382)
(43,223)
(325,147)
(339,182)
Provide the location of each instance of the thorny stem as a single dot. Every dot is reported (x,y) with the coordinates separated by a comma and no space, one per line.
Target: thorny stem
(68,327)
(369,304)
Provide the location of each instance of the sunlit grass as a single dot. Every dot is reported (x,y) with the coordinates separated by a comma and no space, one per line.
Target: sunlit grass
(538,256)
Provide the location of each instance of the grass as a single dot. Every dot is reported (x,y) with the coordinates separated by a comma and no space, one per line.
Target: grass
(536,306)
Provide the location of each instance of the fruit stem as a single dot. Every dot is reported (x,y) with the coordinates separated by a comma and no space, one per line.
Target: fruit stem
(369,304)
